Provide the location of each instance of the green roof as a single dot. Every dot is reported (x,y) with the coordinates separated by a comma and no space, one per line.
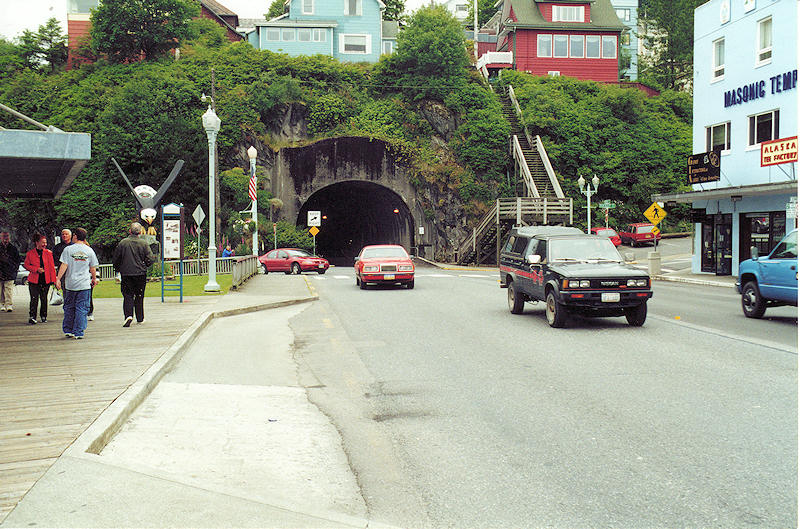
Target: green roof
(603,16)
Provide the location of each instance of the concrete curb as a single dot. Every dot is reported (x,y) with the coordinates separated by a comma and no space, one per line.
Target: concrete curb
(108,423)
(693,281)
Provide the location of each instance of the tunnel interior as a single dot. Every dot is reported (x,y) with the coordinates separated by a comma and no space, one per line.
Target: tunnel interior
(355,214)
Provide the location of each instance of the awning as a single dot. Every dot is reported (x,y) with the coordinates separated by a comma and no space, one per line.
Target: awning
(725,193)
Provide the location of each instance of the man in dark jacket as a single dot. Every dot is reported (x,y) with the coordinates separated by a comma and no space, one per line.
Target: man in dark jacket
(66,240)
(9,266)
(132,258)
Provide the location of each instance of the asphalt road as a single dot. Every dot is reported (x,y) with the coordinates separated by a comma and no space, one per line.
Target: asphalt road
(455,413)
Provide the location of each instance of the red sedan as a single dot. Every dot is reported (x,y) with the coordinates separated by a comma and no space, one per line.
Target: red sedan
(292,261)
(387,264)
(608,232)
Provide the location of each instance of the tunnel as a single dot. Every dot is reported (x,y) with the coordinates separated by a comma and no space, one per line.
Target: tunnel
(357,213)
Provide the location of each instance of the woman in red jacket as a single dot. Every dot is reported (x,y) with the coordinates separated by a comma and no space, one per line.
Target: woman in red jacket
(39,262)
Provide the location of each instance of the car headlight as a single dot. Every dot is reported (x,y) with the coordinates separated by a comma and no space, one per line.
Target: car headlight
(371,268)
(575,283)
(405,268)
(637,282)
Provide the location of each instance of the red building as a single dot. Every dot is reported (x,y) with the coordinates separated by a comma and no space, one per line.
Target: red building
(578,38)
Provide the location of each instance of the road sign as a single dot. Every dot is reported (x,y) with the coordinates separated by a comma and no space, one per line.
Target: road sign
(791,208)
(606,204)
(199,215)
(314,218)
(655,213)
(313,231)
(655,231)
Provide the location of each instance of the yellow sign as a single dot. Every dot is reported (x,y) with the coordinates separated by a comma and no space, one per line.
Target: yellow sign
(655,231)
(313,231)
(655,213)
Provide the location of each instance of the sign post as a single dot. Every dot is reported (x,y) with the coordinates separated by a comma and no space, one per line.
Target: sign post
(172,245)
(314,231)
(606,205)
(199,215)
(655,214)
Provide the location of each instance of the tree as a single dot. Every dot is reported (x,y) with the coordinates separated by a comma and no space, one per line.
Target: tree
(45,49)
(668,34)
(394,9)
(486,10)
(276,9)
(128,30)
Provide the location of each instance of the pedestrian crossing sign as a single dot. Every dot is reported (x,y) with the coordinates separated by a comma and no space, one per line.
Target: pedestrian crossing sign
(655,213)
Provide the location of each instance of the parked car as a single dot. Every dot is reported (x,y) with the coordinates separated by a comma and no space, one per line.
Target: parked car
(608,232)
(769,281)
(638,233)
(384,264)
(572,272)
(292,261)
(22,276)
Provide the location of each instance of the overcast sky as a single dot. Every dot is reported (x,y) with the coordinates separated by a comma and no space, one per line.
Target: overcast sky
(19,15)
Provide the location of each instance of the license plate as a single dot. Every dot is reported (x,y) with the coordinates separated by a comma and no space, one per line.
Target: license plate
(321,265)
(609,297)
(388,276)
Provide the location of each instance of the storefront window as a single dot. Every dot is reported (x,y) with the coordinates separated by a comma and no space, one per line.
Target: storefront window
(762,230)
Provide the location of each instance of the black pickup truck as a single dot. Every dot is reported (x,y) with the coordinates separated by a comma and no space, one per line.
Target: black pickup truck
(573,273)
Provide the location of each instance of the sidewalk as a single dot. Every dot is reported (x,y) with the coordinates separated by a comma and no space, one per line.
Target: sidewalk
(56,391)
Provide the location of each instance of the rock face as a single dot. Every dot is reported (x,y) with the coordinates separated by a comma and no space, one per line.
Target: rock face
(293,124)
(440,118)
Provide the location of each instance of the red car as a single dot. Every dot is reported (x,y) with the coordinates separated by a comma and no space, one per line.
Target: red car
(292,261)
(384,264)
(608,232)
(638,233)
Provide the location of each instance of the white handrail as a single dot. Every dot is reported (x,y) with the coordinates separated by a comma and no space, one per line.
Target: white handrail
(548,167)
(526,172)
(518,109)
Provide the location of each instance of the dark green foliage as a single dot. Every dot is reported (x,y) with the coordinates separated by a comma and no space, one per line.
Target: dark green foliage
(128,30)
(328,112)
(288,236)
(486,10)
(206,33)
(394,9)
(276,9)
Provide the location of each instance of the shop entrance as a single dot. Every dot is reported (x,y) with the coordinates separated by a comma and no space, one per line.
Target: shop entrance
(717,244)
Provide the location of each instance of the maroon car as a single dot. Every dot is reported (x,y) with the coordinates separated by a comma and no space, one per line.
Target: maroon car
(638,233)
(292,261)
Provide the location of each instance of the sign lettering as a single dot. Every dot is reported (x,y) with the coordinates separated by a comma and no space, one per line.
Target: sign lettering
(703,167)
(776,152)
(758,89)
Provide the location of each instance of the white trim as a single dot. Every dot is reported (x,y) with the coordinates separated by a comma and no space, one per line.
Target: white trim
(714,68)
(538,47)
(367,39)
(303,7)
(709,138)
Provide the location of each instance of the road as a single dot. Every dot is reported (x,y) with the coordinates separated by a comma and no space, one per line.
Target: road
(455,413)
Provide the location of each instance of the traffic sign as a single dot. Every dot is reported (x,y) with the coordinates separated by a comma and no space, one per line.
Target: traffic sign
(199,215)
(655,231)
(313,231)
(314,218)
(606,204)
(655,213)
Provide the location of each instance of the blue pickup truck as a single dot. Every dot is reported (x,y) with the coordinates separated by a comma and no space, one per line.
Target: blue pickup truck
(769,281)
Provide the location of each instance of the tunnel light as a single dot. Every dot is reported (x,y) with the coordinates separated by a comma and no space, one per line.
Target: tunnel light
(396,210)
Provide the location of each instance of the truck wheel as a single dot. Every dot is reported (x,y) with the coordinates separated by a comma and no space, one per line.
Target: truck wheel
(636,315)
(516,303)
(753,305)
(556,312)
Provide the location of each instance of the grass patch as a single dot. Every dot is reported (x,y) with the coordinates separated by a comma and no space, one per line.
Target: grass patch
(192,286)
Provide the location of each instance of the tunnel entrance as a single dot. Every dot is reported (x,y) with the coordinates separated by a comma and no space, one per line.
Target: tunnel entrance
(357,213)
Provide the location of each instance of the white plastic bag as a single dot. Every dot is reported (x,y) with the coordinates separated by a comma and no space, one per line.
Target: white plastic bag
(56,298)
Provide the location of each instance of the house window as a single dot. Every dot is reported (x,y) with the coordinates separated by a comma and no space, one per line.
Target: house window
(308,7)
(273,34)
(387,47)
(568,14)
(718,137)
(576,46)
(462,8)
(287,35)
(609,47)
(624,14)
(592,46)
(354,44)
(718,71)
(560,45)
(352,7)
(319,35)
(764,127)
(304,35)
(544,46)
(764,50)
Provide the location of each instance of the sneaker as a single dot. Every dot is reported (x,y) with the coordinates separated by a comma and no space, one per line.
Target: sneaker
(3,308)
(139,322)
(90,317)
(69,335)
(31,321)
(43,320)
(79,337)
(9,309)
(128,321)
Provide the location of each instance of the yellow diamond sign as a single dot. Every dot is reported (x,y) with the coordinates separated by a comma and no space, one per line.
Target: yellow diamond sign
(313,231)
(655,213)
(655,231)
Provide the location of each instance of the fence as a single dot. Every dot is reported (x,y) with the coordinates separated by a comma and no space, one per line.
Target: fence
(191,267)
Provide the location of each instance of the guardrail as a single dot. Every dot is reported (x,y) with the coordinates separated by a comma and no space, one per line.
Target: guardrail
(243,269)
(548,167)
(517,108)
(191,267)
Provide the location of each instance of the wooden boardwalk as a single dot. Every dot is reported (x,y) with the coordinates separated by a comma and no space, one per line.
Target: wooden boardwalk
(52,388)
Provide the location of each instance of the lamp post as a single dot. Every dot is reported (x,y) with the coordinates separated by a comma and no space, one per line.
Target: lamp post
(211,123)
(252,152)
(586,189)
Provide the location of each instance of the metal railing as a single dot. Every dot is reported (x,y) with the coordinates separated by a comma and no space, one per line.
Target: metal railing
(191,267)
(243,269)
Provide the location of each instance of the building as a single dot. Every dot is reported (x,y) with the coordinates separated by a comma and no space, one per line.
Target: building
(745,96)
(628,13)
(459,9)
(578,38)
(353,30)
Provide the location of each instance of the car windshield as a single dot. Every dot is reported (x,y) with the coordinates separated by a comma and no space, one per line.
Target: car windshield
(583,249)
(370,253)
(298,253)
(644,229)
(606,232)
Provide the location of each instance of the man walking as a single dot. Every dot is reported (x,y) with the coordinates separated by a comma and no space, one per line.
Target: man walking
(78,268)
(132,258)
(66,240)
(9,266)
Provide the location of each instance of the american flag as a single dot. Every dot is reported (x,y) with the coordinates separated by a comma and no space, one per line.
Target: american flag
(252,186)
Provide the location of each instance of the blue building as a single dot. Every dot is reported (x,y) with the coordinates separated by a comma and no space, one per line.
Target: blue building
(628,13)
(745,98)
(348,30)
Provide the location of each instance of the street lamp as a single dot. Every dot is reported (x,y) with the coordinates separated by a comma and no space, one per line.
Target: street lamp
(586,189)
(211,123)
(252,152)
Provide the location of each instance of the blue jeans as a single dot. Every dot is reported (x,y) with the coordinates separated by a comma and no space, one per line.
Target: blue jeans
(76,308)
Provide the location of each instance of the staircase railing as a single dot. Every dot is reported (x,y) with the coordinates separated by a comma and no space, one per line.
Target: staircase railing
(518,109)
(519,156)
(548,167)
